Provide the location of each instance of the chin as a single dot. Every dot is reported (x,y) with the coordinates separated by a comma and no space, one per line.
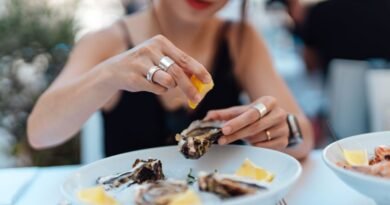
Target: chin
(195,11)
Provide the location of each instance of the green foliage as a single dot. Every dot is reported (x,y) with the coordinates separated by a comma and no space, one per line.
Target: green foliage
(29,24)
(30,29)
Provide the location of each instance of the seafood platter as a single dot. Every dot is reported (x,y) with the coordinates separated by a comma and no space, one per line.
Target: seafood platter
(195,172)
(363,163)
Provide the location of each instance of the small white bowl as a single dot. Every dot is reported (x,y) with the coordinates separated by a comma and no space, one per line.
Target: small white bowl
(374,187)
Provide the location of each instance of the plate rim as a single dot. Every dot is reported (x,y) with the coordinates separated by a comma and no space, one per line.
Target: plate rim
(288,183)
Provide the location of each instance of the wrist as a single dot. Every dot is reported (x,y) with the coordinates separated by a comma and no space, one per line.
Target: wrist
(105,79)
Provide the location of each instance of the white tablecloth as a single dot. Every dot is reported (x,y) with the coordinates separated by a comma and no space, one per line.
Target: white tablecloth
(317,186)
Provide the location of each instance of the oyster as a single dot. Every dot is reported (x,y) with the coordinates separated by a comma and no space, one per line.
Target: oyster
(195,141)
(142,170)
(159,192)
(227,186)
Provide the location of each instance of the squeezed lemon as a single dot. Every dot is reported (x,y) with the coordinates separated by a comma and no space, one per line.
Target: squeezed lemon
(187,198)
(250,170)
(202,88)
(356,157)
(96,196)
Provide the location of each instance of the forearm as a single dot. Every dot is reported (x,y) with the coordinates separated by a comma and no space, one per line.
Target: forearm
(60,111)
(303,149)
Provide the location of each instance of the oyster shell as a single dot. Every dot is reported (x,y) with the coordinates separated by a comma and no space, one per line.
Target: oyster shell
(159,192)
(227,186)
(195,141)
(142,170)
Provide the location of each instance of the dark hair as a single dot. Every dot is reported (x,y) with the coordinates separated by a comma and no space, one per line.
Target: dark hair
(244,6)
(244,10)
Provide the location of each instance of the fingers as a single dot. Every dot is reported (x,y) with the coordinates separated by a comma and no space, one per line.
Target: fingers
(278,143)
(164,79)
(249,124)
(184,61)
(270,120)
(178,74)
(184,83)
(159,76)
(226,114)
(280,130)
(147,86)
(249,116)
(268,101)
(183,68)
(241,121)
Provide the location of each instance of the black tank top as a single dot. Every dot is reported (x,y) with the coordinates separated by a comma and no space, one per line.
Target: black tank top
(140,121)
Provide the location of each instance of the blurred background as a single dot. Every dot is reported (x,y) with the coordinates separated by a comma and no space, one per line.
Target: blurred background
(336,65)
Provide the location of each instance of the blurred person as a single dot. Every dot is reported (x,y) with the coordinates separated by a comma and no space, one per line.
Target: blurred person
(296,12)
(107,70)
(346,29)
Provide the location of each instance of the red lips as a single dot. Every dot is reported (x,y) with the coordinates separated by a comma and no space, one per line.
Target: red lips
(199,4)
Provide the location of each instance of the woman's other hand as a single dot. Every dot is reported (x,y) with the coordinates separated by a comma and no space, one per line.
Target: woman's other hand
(128,70)
(247,123)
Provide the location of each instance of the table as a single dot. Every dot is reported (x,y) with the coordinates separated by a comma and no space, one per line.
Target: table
(317,185)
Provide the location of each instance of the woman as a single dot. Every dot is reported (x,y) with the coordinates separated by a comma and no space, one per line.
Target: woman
(104,65)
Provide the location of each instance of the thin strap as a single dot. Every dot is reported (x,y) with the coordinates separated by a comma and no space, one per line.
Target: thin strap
(126,34)
(223,30)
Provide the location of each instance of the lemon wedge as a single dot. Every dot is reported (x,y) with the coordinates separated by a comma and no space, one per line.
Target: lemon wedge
(356,157)
(187,198)
(250,170)
(203,89)
(96,196)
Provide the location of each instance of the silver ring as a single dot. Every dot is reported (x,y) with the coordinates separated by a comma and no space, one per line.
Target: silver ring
(165,63)
(261,108)
(151,72)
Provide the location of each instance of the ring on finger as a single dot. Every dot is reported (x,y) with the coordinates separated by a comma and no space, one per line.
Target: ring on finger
(151,72)
(261,108)
(165,63)
(268,133)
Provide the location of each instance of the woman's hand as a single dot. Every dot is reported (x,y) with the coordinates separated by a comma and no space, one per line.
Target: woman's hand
(127,71)
(245,122)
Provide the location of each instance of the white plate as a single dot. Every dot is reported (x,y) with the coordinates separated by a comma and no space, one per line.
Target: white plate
(225,159)
(374,187)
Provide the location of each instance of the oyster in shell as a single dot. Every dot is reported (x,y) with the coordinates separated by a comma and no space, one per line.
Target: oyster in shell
(142,170)
(195,141)
(159,192)
(227,186)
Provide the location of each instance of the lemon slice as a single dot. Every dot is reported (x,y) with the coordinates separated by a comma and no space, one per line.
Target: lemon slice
(203,89)
(96,196)
(250,170)
(187,198)
(356,157)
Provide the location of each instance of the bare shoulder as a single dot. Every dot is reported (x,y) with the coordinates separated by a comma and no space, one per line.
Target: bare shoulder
(104,43)
(239,31)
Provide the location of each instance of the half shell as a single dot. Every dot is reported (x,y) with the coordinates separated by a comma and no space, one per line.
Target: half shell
(159,192)
(227,186)
(195,141)
(143,170)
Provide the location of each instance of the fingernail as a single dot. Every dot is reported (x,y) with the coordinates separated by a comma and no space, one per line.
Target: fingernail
(207,80)
(222,141)
(226,130)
